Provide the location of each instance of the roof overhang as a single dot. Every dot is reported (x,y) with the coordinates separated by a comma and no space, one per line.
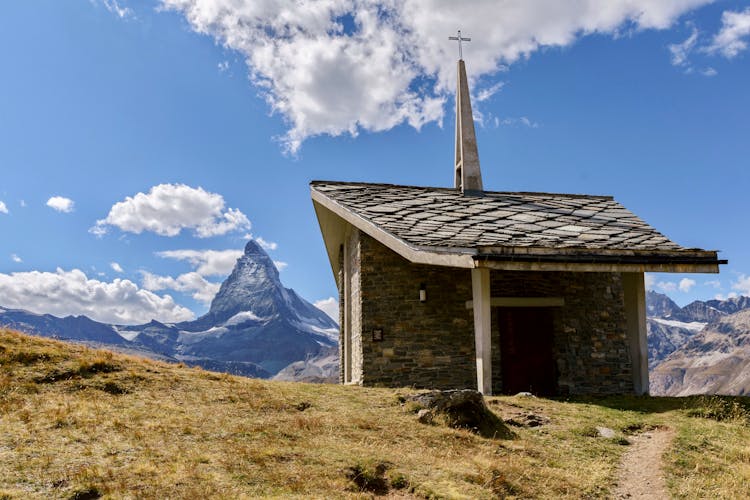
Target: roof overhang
(334,221)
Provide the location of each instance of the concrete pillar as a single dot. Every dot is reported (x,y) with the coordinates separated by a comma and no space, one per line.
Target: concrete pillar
(480,286)
(635,312)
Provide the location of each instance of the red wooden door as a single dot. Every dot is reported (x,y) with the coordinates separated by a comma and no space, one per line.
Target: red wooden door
(527,350)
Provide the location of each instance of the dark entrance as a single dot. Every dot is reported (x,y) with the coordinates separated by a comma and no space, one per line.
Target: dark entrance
(526,350)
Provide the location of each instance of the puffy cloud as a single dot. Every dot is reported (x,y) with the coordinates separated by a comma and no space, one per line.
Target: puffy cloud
(3,208)
(116,267)
(64,293)
(15,258)
(267,245)
(280,265)
(686,284)
(61,204)
(732,38)
(341,66)
(330,306)
(201,289)
(742,285)
(206,262)
(167,209)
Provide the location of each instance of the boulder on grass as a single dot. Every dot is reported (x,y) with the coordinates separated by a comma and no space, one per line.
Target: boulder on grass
(460,409)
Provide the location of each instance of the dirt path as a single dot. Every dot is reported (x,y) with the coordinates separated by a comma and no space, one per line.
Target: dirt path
(641,474)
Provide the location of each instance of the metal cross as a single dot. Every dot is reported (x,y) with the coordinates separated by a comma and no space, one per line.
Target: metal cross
(459,39)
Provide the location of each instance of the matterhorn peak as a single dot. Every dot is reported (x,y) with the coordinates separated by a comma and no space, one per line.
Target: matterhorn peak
(253,286)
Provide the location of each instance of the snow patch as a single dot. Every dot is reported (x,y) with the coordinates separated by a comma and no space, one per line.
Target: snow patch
(693,326)
(329,333)
(126,334)
(242,317)
(193,337)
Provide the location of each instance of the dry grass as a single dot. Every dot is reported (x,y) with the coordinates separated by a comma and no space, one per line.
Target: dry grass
(79,423)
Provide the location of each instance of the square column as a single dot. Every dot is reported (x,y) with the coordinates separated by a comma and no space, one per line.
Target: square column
(635,312)
(480,286)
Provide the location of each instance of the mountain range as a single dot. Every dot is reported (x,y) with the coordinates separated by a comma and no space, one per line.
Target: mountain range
(702,348)
(254,326)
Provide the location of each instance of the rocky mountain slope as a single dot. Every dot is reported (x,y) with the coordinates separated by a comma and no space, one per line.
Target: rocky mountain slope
(255,326)
(702,348)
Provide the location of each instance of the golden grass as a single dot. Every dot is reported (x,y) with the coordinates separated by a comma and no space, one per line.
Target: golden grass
(75,421)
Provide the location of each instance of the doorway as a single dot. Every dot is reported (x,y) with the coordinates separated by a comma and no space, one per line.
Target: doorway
(527,350)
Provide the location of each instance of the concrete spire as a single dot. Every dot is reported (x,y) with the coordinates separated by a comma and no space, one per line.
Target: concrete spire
(468,173)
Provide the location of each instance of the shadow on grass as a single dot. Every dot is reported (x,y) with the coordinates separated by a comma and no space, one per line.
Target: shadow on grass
(713,407)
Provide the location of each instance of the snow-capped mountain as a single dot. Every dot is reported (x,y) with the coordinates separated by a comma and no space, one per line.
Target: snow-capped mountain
(255,326)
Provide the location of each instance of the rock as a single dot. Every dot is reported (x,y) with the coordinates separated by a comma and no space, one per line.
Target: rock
(463,408)
(605,432)
(425,416)
(525,395)
(527,420)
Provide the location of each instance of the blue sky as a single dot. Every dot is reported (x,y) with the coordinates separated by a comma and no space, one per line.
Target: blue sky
(111,112)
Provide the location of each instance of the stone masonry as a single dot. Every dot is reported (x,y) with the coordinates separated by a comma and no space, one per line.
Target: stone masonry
(431,344)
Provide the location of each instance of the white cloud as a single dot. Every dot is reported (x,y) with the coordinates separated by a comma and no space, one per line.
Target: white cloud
(686,284)
(681,51)
(167,209)
(267,245)
(223,66)
(116,8)
(713,283)
(61,204)
(64,293)
(15,258)
(393,63)
(709,72)
(742,284)
(666,286)
(206,262)
(280,265)
(732,38)
(488,92)
(525,121)
(22,203)
(330,306)
(201,289)
(3,208)
(116,267)
(650,281)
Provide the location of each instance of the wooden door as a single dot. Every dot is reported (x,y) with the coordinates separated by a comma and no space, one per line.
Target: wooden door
(527,350)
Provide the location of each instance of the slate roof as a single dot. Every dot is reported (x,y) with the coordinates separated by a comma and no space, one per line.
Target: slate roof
(442,217)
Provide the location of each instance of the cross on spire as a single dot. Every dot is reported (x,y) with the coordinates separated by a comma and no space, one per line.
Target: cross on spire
(459,39)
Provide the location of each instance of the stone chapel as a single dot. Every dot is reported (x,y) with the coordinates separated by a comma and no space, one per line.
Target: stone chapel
(497,291)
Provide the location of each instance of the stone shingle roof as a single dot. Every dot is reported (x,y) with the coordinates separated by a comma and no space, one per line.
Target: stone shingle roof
(441,217)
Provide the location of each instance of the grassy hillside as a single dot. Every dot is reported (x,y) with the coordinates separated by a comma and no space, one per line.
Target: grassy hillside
(79,423)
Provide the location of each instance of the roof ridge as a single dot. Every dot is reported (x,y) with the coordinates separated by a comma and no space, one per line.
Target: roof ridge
(453,190)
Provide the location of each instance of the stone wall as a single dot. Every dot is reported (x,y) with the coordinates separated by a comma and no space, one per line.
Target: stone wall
(425,344)
(431,344)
